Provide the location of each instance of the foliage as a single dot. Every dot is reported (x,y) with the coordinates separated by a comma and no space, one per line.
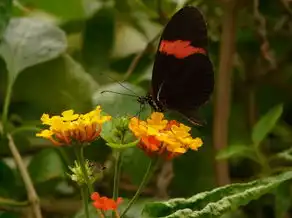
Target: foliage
(59,55)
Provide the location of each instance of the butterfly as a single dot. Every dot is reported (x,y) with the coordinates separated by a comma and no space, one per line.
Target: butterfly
(182,76)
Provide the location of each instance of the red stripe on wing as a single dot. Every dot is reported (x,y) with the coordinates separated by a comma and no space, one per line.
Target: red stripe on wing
(180,49)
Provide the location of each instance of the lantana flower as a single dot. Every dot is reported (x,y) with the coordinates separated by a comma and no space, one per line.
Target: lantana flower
(104,203)
(160,137)
(70,127)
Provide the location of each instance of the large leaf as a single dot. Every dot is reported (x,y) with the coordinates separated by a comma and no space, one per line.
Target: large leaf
(45,166)
(266,124)
(214,203)
(27,42)
(5,13)
(62,84)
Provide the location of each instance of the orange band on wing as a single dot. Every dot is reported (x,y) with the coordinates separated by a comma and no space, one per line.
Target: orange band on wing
(180,49)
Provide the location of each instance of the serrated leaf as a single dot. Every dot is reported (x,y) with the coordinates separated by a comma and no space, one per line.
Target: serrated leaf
(284,155)
(216,202)
(45,166)
(5,14)
(236,151)
(265,125)
(27,42)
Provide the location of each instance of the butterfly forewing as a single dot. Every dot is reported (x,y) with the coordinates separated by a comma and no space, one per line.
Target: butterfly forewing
(183,75)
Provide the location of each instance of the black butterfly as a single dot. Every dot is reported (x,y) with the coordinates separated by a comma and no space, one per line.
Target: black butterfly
(183,77)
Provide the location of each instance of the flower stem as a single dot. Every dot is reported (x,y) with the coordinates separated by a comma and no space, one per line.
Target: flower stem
(6,105)
(117,174)
(79,152)
(84,188)
(84,194)
(147,175)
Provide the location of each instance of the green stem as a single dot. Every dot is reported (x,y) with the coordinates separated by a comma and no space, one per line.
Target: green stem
(79,151)
(84,191)
(117,174)
(6,105)
(266,170)
(84,194)
(147,175)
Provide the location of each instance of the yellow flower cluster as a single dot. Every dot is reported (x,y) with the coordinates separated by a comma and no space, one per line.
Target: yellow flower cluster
(70,127)
(162,137)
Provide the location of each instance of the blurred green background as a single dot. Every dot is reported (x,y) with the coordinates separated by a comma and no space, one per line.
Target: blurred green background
(92,44)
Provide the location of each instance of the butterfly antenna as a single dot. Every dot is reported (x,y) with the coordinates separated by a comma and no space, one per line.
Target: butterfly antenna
(105,91)
(125,87)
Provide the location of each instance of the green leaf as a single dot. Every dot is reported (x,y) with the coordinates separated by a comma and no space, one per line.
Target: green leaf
(122,146)
(7,181)
(98,40)
(236,151)
(62,84)
(27,42)
(284,155)
(5,14)
(64,10)
(135,163)
(119,104)
(216,202)
(282,200)
(45,166)
(265,125)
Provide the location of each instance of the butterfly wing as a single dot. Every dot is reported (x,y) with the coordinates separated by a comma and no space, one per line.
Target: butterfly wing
(183,83)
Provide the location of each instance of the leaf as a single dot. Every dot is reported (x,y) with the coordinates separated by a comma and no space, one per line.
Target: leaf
(81,84)
(216,202)
(62,84)
(282,200)
(5,14)
(45,166)
(122,146)
(7,181)
(27,42)
(136,208)
(119,104)
(98,40)
(236,151)
(198,178)
(65,9)
(135,163)
(265,125)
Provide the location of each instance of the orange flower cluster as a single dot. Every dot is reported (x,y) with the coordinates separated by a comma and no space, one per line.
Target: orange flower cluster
(70,127)
(162,137)
(104,203)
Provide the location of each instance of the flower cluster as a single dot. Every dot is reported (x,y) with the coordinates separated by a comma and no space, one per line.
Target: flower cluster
(78,176)
(104,203)
(162,137)
(70,127)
